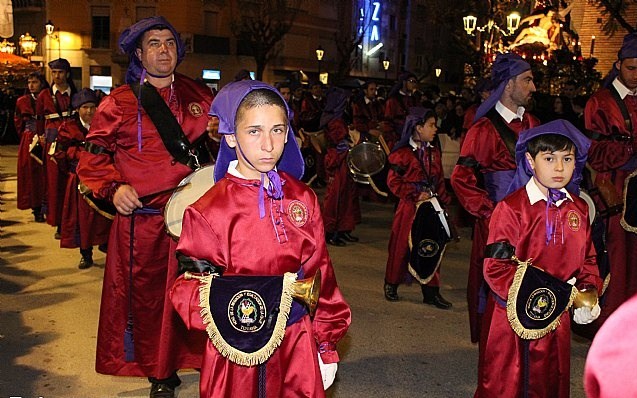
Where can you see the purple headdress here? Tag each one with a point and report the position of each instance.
(628, 50)
(506, 67)
(225, 106)
(524, 172)
(416, 116)
(335, 104)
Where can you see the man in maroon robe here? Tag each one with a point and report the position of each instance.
(127, 162)
(30, 172)
(613, 156)
(53, 107)
(485, 155)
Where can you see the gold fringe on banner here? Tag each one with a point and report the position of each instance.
(518, 328)
(226, 350)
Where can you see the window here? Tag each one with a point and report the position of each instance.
(101, 34)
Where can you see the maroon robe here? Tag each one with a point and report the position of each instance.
(396, 110)
(483, 144)
(30, 173)
(49, 120)
(614, 160)
(162, 343)
(224, 228)
(341, 208)
(406, 171)
(82, 226)
(516, 221)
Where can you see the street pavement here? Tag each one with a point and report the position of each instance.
(49, 313)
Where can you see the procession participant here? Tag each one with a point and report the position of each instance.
(53, 107)
(134, 161)
(611, 114)
(258, 219)
(309, 120)
(30, 172)
(487, 153)
(400, 99)
(526, 353)
(415, 175)
(341, 208)
(82, 226)
(483, 90)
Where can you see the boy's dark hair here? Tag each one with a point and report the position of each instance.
(550, 143)
(260, 97)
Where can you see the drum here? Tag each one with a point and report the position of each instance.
(428, 238)
(629, 214)
(364, 161)
(189, 190)
(317, 140)
(592, 212)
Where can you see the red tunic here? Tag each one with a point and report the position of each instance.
(396, 110)
(609, 158)
(82, 226)
(49, 120)
(483, 144)
(341, 208)
(161, 341)
(31, 187)
(522, 225)
(227, 219)
(406, 171)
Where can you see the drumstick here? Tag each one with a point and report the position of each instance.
(383, 143)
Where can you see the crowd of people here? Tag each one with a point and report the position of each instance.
(512, 164)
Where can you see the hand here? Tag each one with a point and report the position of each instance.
(423, 196)
(213, 129)
(586, 315)
(328, 372)
(126, 200)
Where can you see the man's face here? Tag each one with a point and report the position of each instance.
(59, 77)
(569, 91)
(628, 72)
(86, 112)
(34, 84)
(370, 91)
(317, 90)
(411, 84)
(285, 93)
(522, 88)
(159, 52)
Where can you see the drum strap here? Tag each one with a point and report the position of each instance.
(167, 126)
(622, 108)
(499, 250)
(96, 149)
(468, 162)
(506, 133)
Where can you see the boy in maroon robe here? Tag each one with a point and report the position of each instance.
(544, 221)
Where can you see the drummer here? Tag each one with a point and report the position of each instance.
(127, 160)
(415, 175)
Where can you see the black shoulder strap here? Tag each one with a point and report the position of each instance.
(507, 135)
(169, 130)
(622, 107)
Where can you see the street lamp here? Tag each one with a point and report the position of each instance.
(50, 28)
(27, 44)
(470, 22)
(7, 47)
(386, 66)
(319, 56)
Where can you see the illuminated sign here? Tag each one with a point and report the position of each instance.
(211, 74)
(369, 25)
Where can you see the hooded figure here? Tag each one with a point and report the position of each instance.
(416, 116)
(129, 42)
(225, 107)
(562, 127)
(627, 50)
(84, 96)
(506, 67)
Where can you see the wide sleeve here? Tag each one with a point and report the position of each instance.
(503, 227)
(589, 272)
(333, 315)
(397, 176)
(605, 154)
(184, 296)
(97, 170)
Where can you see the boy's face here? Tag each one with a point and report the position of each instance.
(427, 131)
(261, 132)
(86, 112)
(553, 169)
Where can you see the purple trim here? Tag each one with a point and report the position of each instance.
(497, 182)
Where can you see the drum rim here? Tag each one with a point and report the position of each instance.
(357, 173)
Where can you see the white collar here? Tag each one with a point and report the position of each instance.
(232, 170)
(55, 89)
(86, 125)
(367, 101)
(416, 145)
(622, 89)
(535, 195)
(507, 114)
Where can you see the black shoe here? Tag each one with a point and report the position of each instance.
(103, 248)
(57, 235)
(334, 240)
(85, 262)
(161, 390)
(391, 292)
(348, 237)
(438, 301)
(39, 217)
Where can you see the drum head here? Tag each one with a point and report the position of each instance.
(189, 190)
(366, 159)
